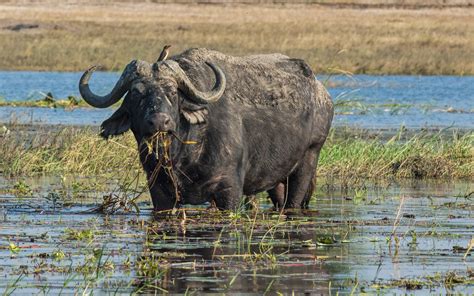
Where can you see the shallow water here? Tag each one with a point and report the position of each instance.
(341, 244)
(412, 101)
(364, 101)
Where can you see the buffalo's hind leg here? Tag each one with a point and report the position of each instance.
(309, 192)
(300, 182)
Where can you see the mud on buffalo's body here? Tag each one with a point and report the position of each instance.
(258, 121)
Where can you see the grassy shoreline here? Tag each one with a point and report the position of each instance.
(350, 158)
(70, 37)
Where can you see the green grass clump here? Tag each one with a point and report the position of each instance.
(350, 158)
(47, 102)
(50, 102)
(66, 151)
(421, 156)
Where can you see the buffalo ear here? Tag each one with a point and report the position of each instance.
(195, 116)
(193, 113)
(117, 124)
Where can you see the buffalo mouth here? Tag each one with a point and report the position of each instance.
(159, 144)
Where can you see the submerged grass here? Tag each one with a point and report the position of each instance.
(351, 158)
(176, 253)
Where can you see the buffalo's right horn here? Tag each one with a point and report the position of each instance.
(193, 93)
(120, 88)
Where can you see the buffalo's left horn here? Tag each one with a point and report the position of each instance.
(193, 93)
(120, 88)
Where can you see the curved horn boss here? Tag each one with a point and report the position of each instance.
(192, 92)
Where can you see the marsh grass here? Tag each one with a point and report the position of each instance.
(67, 150)
(70, 102)
(350, 158)
(47, 102)
(71, 37)
(422, 155)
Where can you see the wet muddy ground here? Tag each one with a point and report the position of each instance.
(412, 237)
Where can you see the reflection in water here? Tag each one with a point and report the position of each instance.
(216, 253)
(344, 243)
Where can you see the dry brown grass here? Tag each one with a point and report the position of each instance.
(72, 37)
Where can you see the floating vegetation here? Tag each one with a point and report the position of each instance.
(448, 281)
(47, 102)
(343, 106)
(83, 234)
(349, 104)
(20, 188)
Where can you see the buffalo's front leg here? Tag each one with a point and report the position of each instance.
(162, 194)
(226, 194)
(161, 200)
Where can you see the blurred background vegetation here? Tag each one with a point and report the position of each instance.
(359, 36)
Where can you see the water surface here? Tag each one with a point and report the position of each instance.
(346, 242)
(364, 101)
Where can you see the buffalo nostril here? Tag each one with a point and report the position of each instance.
(159, 122)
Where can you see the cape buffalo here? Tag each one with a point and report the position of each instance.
(212, 127)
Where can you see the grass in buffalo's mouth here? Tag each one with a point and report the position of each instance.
(350, 158)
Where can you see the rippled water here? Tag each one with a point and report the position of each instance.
(343, 244)
(347, 243)
(361, 100)
(412, 101)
